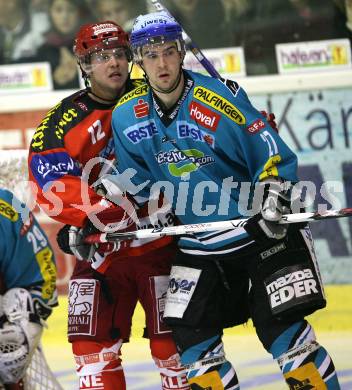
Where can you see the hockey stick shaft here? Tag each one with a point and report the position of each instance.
(208, 66)
(212, 226)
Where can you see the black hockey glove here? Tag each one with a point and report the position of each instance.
(71, 241)
(264, 225)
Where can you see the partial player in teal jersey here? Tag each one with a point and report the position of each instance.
(200, 141)
(28, 287)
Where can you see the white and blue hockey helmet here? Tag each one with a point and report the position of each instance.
(154, 29)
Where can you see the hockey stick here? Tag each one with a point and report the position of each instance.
(208, 66)
(211, 226)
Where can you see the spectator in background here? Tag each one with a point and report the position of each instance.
(234, 7)
(66, 17)
(316, 20)
(265, 23)
(235, 10)
(21, 32)
(122, 13)
(269, 22)
(40, 5)
(203, 20)
(348, 11)
(345, 8)
(119, 11)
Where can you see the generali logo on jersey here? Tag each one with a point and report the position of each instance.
(141, 109)
(204, 116)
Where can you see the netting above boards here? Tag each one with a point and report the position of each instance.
(14, 173)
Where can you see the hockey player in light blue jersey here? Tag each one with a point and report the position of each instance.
(201, 142)
(27, 287)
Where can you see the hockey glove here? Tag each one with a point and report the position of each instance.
(71, 239)
(264, 225)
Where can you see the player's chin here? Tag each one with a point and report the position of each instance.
(117, 82)
(165, 85)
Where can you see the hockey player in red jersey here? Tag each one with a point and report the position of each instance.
(103, 292)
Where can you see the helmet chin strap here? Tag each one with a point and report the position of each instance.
(102, 98)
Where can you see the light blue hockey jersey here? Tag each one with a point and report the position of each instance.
(205, 155)
(26, 257)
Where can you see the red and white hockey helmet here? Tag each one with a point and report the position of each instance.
(99, 36)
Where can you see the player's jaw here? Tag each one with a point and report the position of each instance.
(164, 79)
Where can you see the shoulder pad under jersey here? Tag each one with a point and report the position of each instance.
(6, 209)
(141, 90)
(58, 121)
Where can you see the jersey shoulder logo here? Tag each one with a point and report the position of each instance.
(219, 103)
(231, 85)
(55, 125)
(7, 211)
(137, 92)
(255, 126)
(43, 128)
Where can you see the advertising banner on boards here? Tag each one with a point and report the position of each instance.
(23, 78)
(314, 56)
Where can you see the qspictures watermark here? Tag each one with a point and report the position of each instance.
(229, 198)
